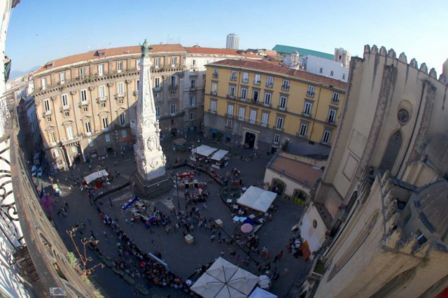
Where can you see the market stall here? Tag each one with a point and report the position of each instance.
(257, 199)
(224, 279)
(260, 293)
(220, 159)
(95, 176)
(202, 153)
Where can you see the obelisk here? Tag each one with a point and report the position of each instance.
(148, 152)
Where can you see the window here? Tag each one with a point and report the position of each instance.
(47, 107)
(276, 140)
(137, 64)
(123, 133)
(64, 98)
(122, 118)
(100, 70)
(62, 77)
(233, 76)
(107, 138)
(241, 113)
(331, 115)
(255, 97)
(229, 110)
(88, 127)
(105, 122)
(215, 73)
(69, 132)
(55, 153)
(157, 82)
(102, 92)
(232, 89)
(321, 70)
(193, 84)
(82, 72)
(269, 82)
(257, 79)
(253, 116)
(120, 88)
(331, 73)
(43, 83)
(52, 137)
(157, 111)
(83, 96)
(335, 97)
(213, 105)
(303, 129)
(307, 108)
(67, 113)
(119, 66)
(243, 93)
(173, 81)
(310, 91)
(229, 123)
(267, 98)
(192, 101)
(194, 62)
(326, 136)
(245, 77)
(279, 123)
(173, 109)
(265, 119)
(283, 100)
(343, 76)
(85, 108)
(157, 62)
(214, 88)
(191, 116)
(173, 61)
(285, 85)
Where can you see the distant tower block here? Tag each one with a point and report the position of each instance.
(342, 56)
(151, 177)
(233, 41)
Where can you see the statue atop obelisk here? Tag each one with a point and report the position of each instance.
(148, 152)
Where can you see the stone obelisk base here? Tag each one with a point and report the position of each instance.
(151, 189)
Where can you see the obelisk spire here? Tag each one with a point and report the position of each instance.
(148, 152)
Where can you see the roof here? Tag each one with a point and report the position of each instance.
(274, 67)
(301, 172)
(283, 49)
(104, 53)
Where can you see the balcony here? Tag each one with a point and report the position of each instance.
(83, 103)
(46, 113)
(172, 89)
(215, 75)
(101, 99)
(282, 108)
(285, 88)
(257, 82)
(331, 121)
(212, 111)
(229, 96)
(233, 78)
(214, 93)
(64, 108)
(267, 104)
(229, 116)
(310, 94)
(269, 85)
(245, 81)
(157, 89)
(120, 96)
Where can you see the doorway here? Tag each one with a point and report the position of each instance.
(249, 140)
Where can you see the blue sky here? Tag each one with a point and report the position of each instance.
(42, 30)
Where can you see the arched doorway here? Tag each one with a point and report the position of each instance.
(391, 152)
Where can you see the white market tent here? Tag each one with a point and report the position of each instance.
(257, 199)
(220, 154)
(260, 293)
(204, 150)
(96, 175)
(225, 280)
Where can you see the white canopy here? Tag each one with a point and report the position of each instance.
(260, 293)
(96, 175)
(220, 154)
(225, 280)
(204, 150)
(257, 199)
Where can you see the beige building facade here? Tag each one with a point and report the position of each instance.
(86, 103)
(384, 192)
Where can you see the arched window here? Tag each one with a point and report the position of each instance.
(391, 152)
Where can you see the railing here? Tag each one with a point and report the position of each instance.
(269, 85)
(214, 93)
(285, 87)
(233, 78)
(231, 96)
(310, 94)
(257, 82)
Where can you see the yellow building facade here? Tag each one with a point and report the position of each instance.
(259, 101)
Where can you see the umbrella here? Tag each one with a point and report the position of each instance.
(225, 280)
(246, 228)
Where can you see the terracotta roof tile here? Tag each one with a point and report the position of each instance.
(275, 67)
(301, 172)
(103, 53)
(219, 51)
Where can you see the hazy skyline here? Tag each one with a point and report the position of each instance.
(44, 30)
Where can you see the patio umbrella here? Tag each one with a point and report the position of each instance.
(225, 280)
(247, 228)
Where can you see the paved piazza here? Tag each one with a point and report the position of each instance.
(168, 241)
